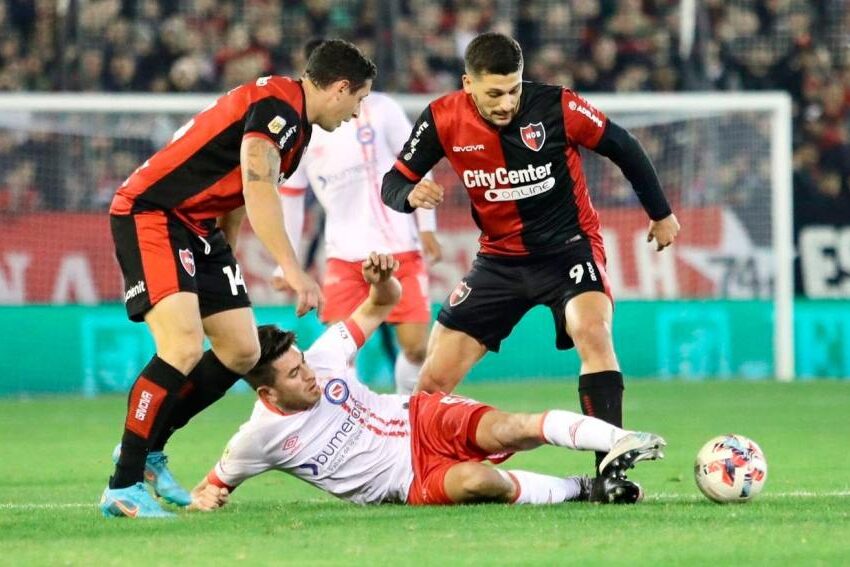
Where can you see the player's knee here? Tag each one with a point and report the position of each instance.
(482, 483)
(431, 382)
(183, 355)
(515, 431)
(241, 356)
(593, 336)
(415, 354)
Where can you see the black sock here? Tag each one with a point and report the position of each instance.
(207, 383)
(151, 400)
(601, 396)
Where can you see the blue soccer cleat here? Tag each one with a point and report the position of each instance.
(131, 502)
(160, 478)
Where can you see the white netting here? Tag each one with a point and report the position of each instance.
(715, 167)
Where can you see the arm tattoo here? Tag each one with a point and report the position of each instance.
(263, 162)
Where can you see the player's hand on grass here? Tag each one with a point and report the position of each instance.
(207, 497)
(663, 231)
(308, 291)
(378, 268)
(431, 247)
(426, 194)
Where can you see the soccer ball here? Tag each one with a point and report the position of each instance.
(730, 468)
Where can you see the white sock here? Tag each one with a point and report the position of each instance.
(568, 429)
(534, 488)
(406, 374)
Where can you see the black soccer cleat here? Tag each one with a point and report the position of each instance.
(610, 490)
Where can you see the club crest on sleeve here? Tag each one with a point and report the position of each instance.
(460, 293)
(533, 135)
(336, 391)
(276, 125)
(366, 134)
(188, 261)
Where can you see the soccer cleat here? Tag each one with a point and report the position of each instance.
(131, 502)
(632, 448)
(615, 490)
(609, 490)
(160, 478)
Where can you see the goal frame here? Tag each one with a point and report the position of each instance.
(777, 104)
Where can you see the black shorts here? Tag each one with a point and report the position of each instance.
(496, 293)
(160, 256)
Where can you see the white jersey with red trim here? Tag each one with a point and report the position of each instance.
(354, 443)
(345, 168)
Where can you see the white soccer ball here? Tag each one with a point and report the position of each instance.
(730, 468)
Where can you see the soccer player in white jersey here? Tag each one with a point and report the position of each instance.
(316, 421)
(344, 169)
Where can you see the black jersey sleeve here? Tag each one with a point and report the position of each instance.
(275, 119)
(618, 145)
(420, 153)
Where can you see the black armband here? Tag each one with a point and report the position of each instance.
(394, 191)
(618, 145)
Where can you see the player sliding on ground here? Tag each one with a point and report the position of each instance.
(315, 421)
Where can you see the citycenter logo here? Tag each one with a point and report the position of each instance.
(511, 184)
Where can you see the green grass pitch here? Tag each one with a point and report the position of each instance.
(55, 460)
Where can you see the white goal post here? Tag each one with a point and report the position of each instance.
(752, 128)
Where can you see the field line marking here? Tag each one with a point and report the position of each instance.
(768, 495)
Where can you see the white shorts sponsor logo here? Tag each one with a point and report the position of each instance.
(521, 192)
(134, 291)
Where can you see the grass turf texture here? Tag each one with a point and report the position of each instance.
(56, 457)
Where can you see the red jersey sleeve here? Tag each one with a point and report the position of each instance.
(583, 122)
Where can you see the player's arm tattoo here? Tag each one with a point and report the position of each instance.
(260, 160)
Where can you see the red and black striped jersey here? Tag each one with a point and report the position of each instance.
(197, 176)
(525, 180)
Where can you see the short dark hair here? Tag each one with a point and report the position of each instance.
(311, 46)
(335, 60)
(493, 53)
(274, 342)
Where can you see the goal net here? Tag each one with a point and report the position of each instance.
(724, 161)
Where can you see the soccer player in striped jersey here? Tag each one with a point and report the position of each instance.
(515, 146)
(181, 277)
(314, 420)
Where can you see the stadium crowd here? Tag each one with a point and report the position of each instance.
(798, 46)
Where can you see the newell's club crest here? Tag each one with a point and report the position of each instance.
(533, 135)
(460, 293)
(188, 261)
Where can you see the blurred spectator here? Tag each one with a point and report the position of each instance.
(17, 191)
(799, 46)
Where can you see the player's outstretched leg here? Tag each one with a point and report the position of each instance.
(159, 477)
(133, 501)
